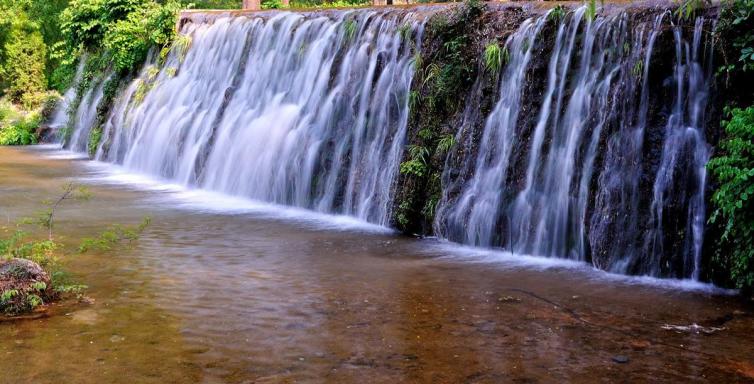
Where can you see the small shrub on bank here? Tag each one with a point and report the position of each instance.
(31, 273)
(21, 131)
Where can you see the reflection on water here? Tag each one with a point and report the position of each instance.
(238, 296)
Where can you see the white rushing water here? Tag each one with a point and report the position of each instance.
(682, 173)
(59, 119)
(284, 108)
(570, 198)
(603, 162)
(85, 116)
(475, 212)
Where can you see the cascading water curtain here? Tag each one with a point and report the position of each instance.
(295, 109)
(82, 120)
(579, 189)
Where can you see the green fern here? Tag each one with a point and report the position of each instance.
(493, 57)
(446, 143)
(349, 29)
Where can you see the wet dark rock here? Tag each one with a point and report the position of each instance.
(24, 286)
(46, 134)
(620, 359)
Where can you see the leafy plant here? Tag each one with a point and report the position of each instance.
(737, 23)
(149, 25)
(19, 244)
(638, 68)
(734, 198)
(417, 164)
(493, 57)
(430, 207)
(557, 13)
(71, 191)
(114, 235)
(349, 29)
(591, 10)
(405, 32)
(402, 215)
(21, 131)
(446, 143)
(688, 8)
(181, 45)
(95, 135)
(25, 68)
(272, 4)
(418, 153)
(6, 296)
(414, 97)
(329, 4)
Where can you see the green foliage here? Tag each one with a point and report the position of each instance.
(39, 286)
(17, 243)
(34, 300)
(95, 136)
(272, 4)
(46, 13)
(430, 207)
(688, 8)
(329, 4)
(127, 29)
(402, 213)
(129, 39)
(638, 68)
(26, 297)
(143, 87)
(446, 143)
(349, 29)
(114, 235)
(450, 69)
(181, 44)
(445, 71)
(495, 57)
(21, 131)
(414, 97)
(591, 10)
(557, 13)
(734, 198)
(6, 296)
(83, 25)
(405, 32)
(413, 167)
(22, 57)
(737, 21)
(417, 164)
(425, 134)
(214, 4)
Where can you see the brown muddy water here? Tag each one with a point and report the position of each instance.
(216, 294)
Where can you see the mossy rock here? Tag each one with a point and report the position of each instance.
(24, 287)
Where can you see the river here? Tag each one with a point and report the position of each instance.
(224, 290)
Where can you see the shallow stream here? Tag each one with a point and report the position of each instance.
(225, 290)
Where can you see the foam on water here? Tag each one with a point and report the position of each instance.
(179, 196)
(505, 259)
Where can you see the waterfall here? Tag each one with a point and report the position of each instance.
(578, 192)
(621, 178)
(85, 115)
(593, 150)
(472, 217)
(681, 175)
(285, 108)
(59, 118)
